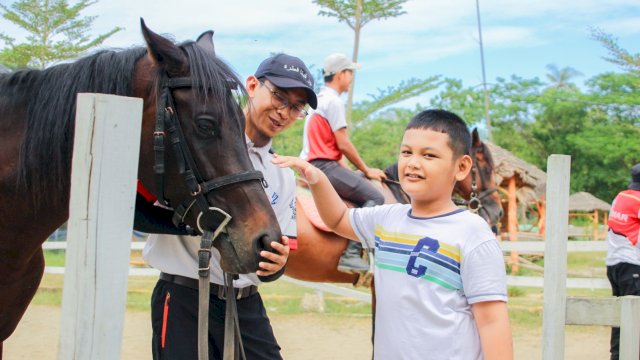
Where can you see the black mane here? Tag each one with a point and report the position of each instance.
(49, 97)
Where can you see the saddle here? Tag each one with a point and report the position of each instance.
(305, 199)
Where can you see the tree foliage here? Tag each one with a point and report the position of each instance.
(56, 31)
(560, 78)
(345, 10)
(393, 95)
(617, 54)
(356, 14)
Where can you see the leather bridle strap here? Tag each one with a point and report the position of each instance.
(232, 336)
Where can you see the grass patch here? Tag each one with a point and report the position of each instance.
(54, 257)
(281, 297)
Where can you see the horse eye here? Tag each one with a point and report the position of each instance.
(206, 126)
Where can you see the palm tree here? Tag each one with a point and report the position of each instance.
(560, 78)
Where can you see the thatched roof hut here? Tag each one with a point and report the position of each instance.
(584, 201)
(530, 180)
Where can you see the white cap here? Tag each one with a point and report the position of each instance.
(335, 63)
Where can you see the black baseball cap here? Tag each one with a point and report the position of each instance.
(286, 72)
(635, 177)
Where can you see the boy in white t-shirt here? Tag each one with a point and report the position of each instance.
(440, 279)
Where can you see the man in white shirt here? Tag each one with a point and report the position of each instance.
(277, 95)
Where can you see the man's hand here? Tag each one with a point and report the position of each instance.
(278, 260)
(375, 174)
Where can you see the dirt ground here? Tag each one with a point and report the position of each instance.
(302, 337)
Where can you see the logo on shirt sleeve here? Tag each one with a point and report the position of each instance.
(292, 206)
(274, 198)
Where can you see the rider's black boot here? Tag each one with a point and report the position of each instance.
(351, 260)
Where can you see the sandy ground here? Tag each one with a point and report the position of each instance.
(304, 337)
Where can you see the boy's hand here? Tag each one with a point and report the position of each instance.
(308, 171)
(278, 260)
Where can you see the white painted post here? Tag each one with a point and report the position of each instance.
(555, 262)
(630, 327)
(103, 181)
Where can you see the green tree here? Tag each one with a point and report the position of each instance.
(393, 95)
(617, 55)
(56, 31)
(356, 14)
(560, 78)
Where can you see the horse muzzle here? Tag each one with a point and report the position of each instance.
(239, 256)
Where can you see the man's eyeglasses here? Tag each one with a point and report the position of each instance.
(279, 101)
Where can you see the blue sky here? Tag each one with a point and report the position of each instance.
(435, 37)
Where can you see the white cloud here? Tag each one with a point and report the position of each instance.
(621, 27)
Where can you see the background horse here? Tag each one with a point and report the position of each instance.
(319, 251)
(187, 91)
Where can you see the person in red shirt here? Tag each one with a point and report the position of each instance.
(326, 140)
(623, 248)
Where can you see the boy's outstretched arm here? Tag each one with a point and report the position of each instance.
(492, 320)
(332, 210)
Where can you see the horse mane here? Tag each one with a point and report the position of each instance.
(45, 153)
(393, 185)
(486, 172)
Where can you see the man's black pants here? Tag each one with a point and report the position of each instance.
(625, 280)
(174, 319)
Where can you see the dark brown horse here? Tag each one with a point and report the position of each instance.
(192, 145)
(319, 251)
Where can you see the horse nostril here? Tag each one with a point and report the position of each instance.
(264, 243)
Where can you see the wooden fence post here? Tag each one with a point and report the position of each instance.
(103, 182)
(555, 262)
(630, 327)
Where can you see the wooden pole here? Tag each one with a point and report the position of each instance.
(555, 257)
(596, 232)
(101, 206)
(542, 210)
(512, 209)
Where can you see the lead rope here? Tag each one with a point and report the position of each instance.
(204, 261)
(233, 348)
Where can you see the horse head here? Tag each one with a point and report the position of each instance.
(479, 189)
(194, 144)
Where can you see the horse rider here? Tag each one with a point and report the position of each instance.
(326, 140)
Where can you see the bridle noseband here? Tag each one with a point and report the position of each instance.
(167, 118)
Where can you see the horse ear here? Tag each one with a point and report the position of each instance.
(205, 41)
(475, 138)
(164, 52)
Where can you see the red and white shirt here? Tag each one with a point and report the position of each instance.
(624, 229)
(319, 141)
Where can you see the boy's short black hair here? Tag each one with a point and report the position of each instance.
(445, 122)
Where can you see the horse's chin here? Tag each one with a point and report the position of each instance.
(235, 260)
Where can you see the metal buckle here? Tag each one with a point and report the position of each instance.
(208, 251)
(220, 228)
(198, 191)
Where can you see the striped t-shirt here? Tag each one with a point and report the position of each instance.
(428, 273)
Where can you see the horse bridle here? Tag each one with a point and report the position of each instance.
(167, 117)
(474, 204)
